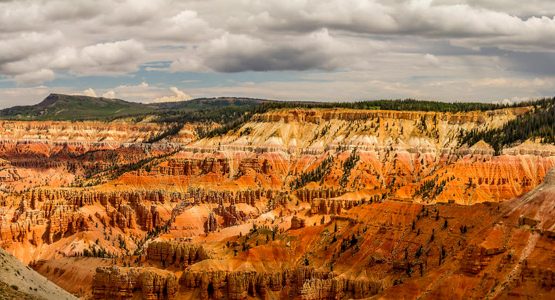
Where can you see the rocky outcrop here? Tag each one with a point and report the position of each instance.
(260, 166)
(190, 167)
(77, 133)
(317, 116)
(125, 218)
(475, 259)
(304, 282)
(46, 215)
(57, 219)
(175, 253)
(297, 223)
(367, 224)
(200, 195)
(339, 288)
(64, 221)
(231, 215)
(126, 283)
(550, 178)
(88, 196)
(148, 218)
(211, 224)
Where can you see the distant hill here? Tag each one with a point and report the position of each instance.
(537, 124)
(231, 112)
(220, 110)
(78, 108)
(205, 103)
(73, 107)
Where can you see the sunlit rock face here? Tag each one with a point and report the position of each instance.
(294, 203)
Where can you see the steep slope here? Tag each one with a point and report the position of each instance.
(23, 279)
(509, 258)
(12, 292)
(62, 107)
(70, 107)
(304, 203)
(537, 124)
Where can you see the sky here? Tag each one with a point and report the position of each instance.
(326, 50)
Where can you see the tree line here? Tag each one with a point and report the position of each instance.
(539, 123)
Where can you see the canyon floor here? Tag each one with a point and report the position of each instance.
(291, 203)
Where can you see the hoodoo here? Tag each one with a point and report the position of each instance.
(312, 202)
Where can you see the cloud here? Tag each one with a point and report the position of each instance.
(22, 95)
(432, 59)
(406, 46)
(185, 26)
(24, 56)
(142, 92)
(109, 94)
(178, 95)
(35, 77)
(89, 92)
(102, 58)
(352, 86)
(27, 44)
(239, 53)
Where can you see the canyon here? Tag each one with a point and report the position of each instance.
(299, 203)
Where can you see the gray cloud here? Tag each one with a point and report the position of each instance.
(395, 41)
(28, 44)
(237, 53)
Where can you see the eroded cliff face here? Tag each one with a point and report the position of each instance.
(178, 254)
(318, 130)
(126, 283)
(301, 282)
(70, 152)
(302, 204)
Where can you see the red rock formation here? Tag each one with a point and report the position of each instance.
(231, 215)
(305, 283)
(407, 218)
(188, 167)
(211, 224)
(297, 223)
(307, 195)
(173, 253)
(125, 283)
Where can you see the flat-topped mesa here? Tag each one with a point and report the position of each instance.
(85, 132)
(176, 253)
(125, 283)
(317, 115)
(318, 130)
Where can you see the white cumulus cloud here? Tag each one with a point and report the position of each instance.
(178, 95)
(89, 92)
